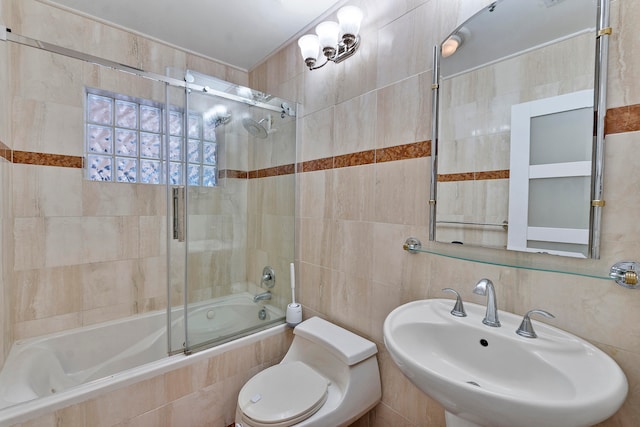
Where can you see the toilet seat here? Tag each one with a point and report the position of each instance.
(283, 395)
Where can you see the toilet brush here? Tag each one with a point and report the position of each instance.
(294, 310)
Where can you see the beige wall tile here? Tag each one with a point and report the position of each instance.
(352, 197)
(351, 248)
(108, 283)
(399, 196)
(155, 418)
(317, 135)
(108, 199)
(43, 191)
(29, 243)
(319, 88)
(622, 87)
(39, 294)
(354, 125)
(153, 236)
(399, 41)
(126, 403)
(404, 112)
(47, 325)
(383, 416)
(48, 420)
(358, 75)
(351, 301)
(317, 244)
(53, 126)
(315, 194)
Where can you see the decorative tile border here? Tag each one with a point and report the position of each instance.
(454, 177)
(46, 159)
(622, 119)
(316, 165)
(400, 152)
(618, 120)
(474, 176)
(231, 173)
(274, 171)
(355, 159)
(404, 152)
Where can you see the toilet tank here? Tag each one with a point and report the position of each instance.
(345, 345)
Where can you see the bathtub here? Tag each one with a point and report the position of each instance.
(49, 372)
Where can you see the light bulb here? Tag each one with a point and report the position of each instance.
(309, 48)
(450, 45)
(350, 18)
(328, 32)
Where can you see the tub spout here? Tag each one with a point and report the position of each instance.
(263, 296)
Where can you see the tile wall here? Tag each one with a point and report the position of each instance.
(76, 252)
(354, 215)
(352, 219)
(6, 223)
(83, 252)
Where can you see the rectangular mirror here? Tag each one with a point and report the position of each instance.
(517, 132)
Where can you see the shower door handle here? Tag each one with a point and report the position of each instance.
(178, 213)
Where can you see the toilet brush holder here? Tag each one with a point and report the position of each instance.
(294, 314)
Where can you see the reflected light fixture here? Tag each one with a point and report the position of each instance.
(217, 116)
(337, 40)
(453, 43)
(450, 45)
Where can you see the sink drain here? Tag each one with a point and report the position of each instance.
(473, 383)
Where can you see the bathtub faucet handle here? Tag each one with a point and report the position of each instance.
(268, 277)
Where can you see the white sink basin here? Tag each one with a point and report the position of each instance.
(496, 378)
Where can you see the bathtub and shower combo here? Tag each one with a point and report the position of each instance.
(226, 219)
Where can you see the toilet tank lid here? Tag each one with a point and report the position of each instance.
(345, 345)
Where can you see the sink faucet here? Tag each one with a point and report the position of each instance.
(263, 296)
(485, 287)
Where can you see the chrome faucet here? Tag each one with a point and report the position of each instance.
(485, 287)
(263, 296)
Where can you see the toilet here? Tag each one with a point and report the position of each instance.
(329, 377)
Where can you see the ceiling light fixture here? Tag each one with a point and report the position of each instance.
(338, 41)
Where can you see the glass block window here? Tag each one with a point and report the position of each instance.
(124, 143)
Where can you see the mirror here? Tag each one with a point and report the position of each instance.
(517, 163)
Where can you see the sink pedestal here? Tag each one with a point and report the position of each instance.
(455, 421)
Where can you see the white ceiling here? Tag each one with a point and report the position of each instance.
(238, 32)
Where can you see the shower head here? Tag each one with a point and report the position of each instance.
(255, 128)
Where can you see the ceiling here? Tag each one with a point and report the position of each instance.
(241, 33)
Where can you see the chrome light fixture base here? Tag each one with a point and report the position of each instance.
(336, 56)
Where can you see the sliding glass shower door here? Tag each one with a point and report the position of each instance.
(231, 153)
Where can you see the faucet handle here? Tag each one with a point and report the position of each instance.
(526, 328)
(458, 309)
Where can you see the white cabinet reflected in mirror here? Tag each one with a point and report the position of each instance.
(518, 129)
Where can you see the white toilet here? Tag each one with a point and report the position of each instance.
(329, 377)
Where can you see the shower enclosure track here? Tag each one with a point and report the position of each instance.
(7, 35)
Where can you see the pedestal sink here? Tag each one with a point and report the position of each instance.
(492, 377)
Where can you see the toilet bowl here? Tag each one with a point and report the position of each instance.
(329, 377)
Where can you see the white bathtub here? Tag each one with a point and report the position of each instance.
(46, 373)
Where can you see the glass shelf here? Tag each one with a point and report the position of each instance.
(597, 269)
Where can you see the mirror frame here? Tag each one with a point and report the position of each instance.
(603, 30)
